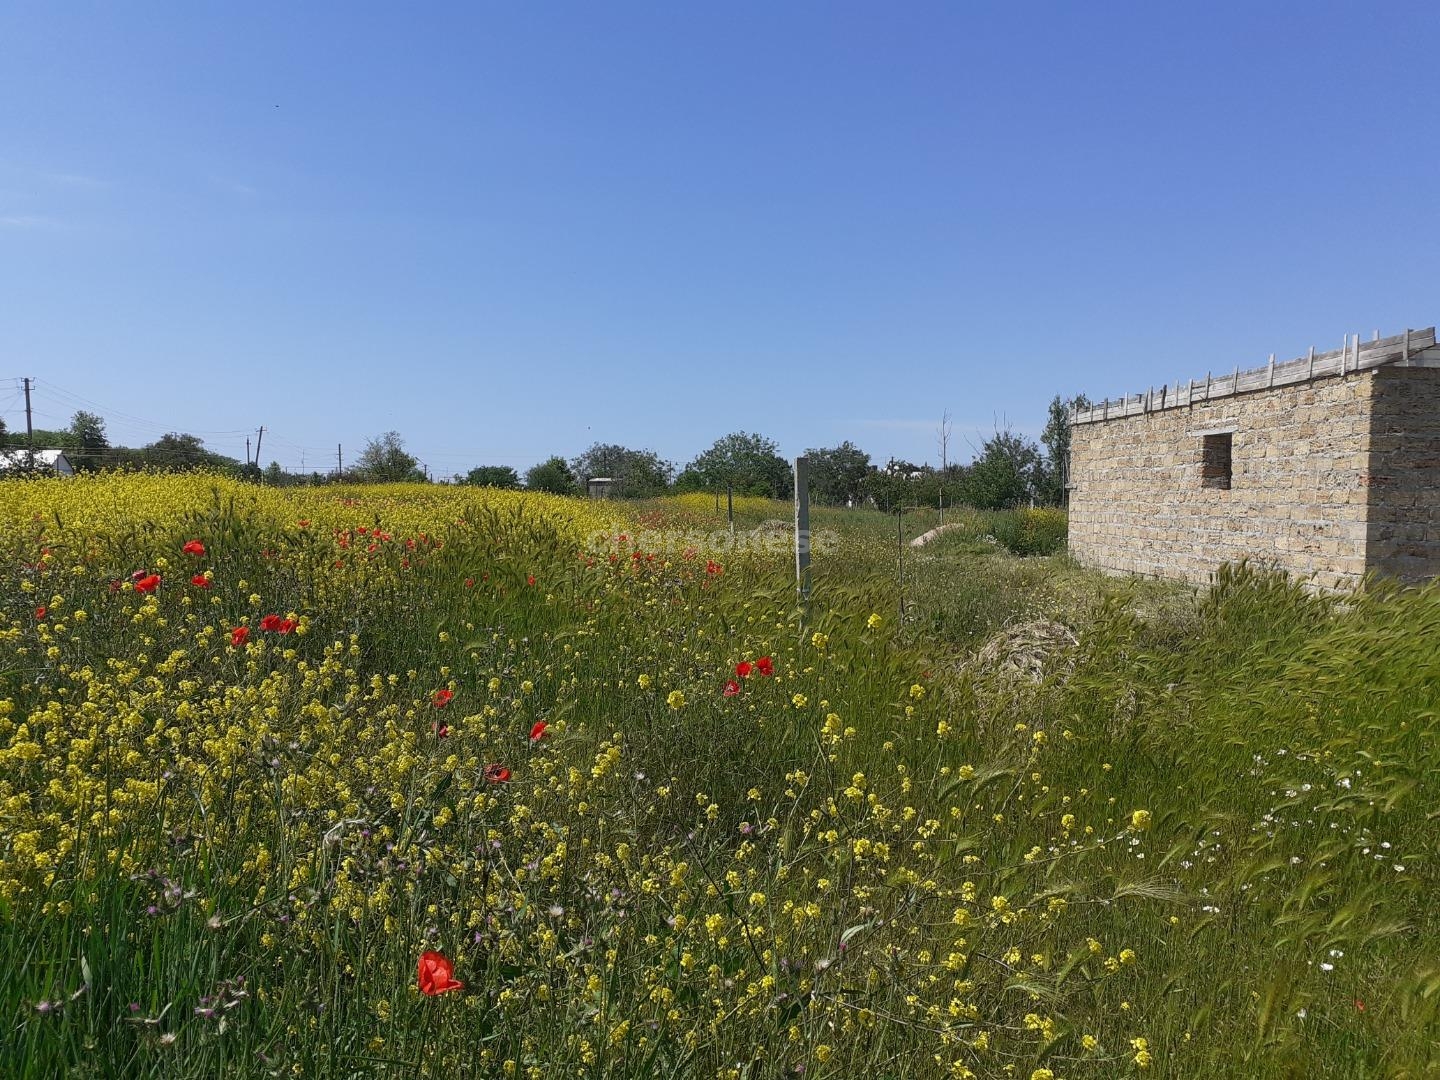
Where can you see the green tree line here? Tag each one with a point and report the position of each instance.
(1008, 470)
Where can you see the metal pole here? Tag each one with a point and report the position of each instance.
(900, 561)
(730, 507)
(802, 527)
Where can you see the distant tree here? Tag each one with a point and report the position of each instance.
(91, 447)
(1054, 471)
(495, 476)
(1004, 474)
(45, 439)
(638, 474)
(179, 452)
(689, 480)
(894, 486)
(837, 475)
(384, 461)
(552, 475)
(748, 462)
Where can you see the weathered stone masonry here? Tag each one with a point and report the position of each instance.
(1332, 463)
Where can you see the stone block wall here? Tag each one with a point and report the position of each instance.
(1299, 493)
(1403, 473)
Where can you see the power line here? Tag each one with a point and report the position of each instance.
(108, 412)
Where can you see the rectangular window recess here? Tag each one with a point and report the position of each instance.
(1215, 461)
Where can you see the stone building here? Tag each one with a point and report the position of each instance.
(1327, 466)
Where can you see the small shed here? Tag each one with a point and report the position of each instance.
(44, 461)
(600, 487)
(1327, 465)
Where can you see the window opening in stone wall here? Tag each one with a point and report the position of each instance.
(1215, 462)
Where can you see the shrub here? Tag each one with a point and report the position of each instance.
(1030, 532)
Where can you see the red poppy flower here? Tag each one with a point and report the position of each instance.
(496, 774)
(744, 668)
(530, 579)
(1359, 1005)
(713, 568)
(39, 613)
(436, 974)
(239, 636)
(271, 623)
(441, 698)
(538, 731)
(304, 523)
(441, 731)
(731, 687)
(193, 547)
(469, 582)
(200, 581)
(765, 666)
(147, 583)
(286, 626)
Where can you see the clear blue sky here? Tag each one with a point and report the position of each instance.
(511, 230)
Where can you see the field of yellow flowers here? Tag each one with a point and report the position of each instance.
(431, 781)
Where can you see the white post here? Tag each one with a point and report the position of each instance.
(802, 527)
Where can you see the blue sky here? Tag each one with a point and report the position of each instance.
(513, 230)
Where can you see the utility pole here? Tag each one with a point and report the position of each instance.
(247, 449)
(29, 426)
(339, 463)
(258, 438)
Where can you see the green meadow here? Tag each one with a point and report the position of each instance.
(971, 811)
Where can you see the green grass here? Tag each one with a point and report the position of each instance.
(736, 886)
